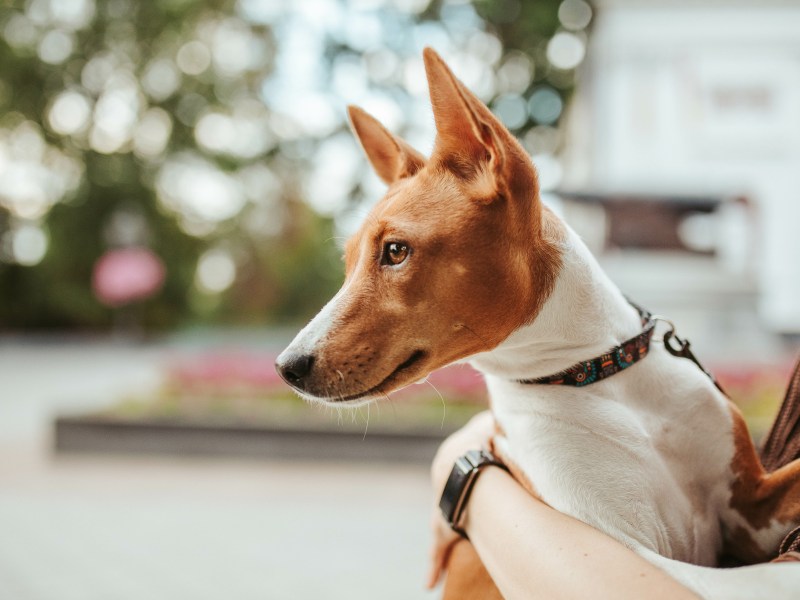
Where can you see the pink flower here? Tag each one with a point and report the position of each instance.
(126, 275)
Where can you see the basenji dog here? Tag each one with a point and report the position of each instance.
(461, 260)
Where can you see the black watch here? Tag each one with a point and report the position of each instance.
(459, 485)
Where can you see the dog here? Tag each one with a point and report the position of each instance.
(460, 260)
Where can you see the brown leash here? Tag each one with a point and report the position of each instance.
(781, 446)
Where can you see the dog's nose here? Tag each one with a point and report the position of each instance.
(294, 368)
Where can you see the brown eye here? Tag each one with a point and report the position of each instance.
(394, 253)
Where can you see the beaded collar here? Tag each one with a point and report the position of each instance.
(615, 360)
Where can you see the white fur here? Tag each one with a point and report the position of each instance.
(307, 338)
(305, 342)
(659, 431)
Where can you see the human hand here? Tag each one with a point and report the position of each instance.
(475, 435)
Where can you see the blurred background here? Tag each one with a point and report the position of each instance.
(176, 182)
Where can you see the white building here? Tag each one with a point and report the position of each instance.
(700, 97)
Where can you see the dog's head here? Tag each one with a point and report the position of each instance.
(450, 261)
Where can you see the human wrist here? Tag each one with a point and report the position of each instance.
(464, 474)
(484, 487)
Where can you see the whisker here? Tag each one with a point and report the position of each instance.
(387, 396)
(444, 407)
(390, 400)
(366, 427)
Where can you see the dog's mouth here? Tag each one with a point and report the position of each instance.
(386, 384)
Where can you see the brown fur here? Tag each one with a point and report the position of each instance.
(470, 215)
(486, 189)
(483, 258)
(391, 157)
(479, 265)
(760, 497)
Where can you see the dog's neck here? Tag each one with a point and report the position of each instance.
(584, 316)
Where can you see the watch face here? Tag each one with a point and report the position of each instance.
(468, 462)
(456, 490)
(480, 457)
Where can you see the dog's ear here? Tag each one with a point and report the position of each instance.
(469, 137)
(391, 157)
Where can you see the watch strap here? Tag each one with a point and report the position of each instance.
(460, 482)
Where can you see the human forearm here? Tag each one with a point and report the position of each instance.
(533, 551)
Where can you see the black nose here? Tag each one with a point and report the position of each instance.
(294, 368)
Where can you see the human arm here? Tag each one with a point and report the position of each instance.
(532, 550)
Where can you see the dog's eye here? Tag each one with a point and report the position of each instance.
(394, 253)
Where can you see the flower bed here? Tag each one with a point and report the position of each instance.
(757, 389)
(242, 387)
(236, 386)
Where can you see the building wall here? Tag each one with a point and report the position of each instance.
(701, 98)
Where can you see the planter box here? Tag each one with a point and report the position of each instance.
(114, 435)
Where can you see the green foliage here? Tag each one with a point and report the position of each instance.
(285, 269)
(57, 293)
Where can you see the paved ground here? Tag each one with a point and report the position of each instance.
(108, 528)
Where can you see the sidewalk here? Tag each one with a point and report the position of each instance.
(97, 527)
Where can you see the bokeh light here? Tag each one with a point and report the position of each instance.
(193, 58)
(516, 73)
(55, 47)
(575, 14)
(152, 133)
(545, 105)
(511, 109)
(216, 271)
(199, 192)
(33, 175)
(116, 114)
(161, 79)
(28, 244)
(69, 113)
(566, 50)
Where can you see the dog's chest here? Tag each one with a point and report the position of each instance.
(648, 464)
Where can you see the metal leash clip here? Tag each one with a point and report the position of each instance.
(668, 334)
(678, 346)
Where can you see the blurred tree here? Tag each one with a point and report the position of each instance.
(214, 135)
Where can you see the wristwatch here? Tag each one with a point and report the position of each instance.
(459, 485)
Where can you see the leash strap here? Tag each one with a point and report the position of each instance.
(782, 444)
(680, 348)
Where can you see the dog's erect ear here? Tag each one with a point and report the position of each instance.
(391, 157)
(467, 131)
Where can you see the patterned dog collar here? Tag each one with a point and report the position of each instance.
(615, 360)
